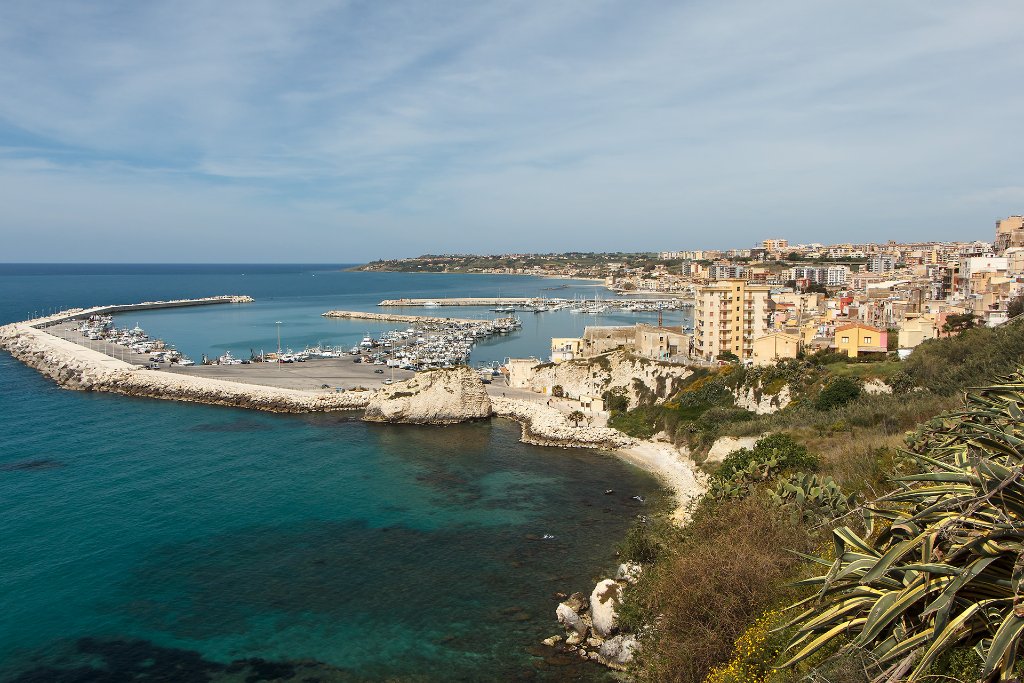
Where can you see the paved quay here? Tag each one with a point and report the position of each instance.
(312, 375)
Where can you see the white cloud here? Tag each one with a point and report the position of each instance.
(628, 125)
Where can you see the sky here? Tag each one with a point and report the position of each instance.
(322, 131)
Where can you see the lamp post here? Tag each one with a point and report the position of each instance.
(279, 364)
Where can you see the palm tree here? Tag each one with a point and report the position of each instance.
(576, 417)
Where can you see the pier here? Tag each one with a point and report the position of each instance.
(393, 317)
(75, 313)
(464, 301)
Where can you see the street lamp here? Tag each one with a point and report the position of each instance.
(278, 323)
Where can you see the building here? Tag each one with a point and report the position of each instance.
(1009, 233)
(728, 315)
(565, 348)
(856, 339)
(881, 263)
(774, 245)
(662, 343)
(830, 276)
(771, 347)
(919, 327)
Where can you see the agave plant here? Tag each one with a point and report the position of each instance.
(948, 570)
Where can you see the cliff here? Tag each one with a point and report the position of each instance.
(435, 397)
(546, 426)
(638, 376)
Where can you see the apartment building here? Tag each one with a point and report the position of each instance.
(728, 315)
(773, 245)
(881, 263)
(830, 276)
(1009, 233)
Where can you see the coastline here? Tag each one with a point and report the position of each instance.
(76, 367)
(544, 426)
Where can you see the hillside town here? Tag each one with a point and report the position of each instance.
(782, 300)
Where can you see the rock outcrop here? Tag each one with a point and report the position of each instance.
(546, 426)
(727, 444)
(755, 401)
(434, 397)
(876, 386)
(617, 369)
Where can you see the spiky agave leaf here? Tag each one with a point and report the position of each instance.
(949, 570)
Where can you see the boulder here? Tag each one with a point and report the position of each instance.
(604, 602)
(618, 650)
(434, 397)
(629, 572)
(570, 619)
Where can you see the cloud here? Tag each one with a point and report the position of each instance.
(519, 125)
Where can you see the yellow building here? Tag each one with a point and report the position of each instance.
(918, 327)
(1009, 233)
(771, 347)
(565, 348)
(728, 315)
(857, 338)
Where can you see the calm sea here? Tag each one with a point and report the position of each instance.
(157, 541)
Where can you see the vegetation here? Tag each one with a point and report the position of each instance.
(576, 417)
(946, 572)
(931, 567)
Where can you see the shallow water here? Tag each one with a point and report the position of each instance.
(152, 540)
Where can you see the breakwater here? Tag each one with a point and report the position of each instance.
(75, 367)
(392, 317)
(463, 301)
(73, 313)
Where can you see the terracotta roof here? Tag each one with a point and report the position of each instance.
(862, 326)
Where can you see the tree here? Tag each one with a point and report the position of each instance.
(557, 391)
(576, 417)
(728, 357)
(1015, 307)
(616, 399)
(957, 323)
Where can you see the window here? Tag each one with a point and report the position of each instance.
(846, 340)
(867, 340)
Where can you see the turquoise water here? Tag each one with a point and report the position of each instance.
(150, 540)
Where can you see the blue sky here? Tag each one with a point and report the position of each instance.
(345, 131)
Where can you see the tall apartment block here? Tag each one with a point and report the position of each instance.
(1009, 233)
(728, 316)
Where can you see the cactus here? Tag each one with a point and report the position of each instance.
(811, 498)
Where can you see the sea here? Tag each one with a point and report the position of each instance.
(146, 540)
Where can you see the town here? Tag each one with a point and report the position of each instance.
(782, 300)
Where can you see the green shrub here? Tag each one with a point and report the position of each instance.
(837, 392)
(787, 453)
(616, 399)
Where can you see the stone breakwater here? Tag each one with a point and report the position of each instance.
(463, 301)
(390, 317)
(75, 367)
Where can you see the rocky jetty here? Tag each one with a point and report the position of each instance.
(435, 397)
(546, 426)
(592, 623)
(75, 367)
